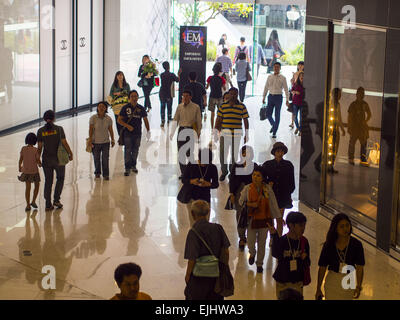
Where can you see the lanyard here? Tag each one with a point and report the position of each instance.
(290, 247)
(201, 172)
(342, 258)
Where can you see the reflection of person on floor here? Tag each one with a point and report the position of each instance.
(336, 125)
(30, 251)
(6, 74)
(307, 143)
(54, 248)
(359, 115)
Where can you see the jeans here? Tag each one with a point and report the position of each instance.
(166, 103)
(296, 110)
(48, 183)
(101, 150)
(228, 142)
(274, 102)
(132, 144)
(242, 89)
(146, 92)
(363, 149)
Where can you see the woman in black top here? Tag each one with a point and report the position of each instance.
(148, 82)
(341, 253)
(201, 177)
(240, 176)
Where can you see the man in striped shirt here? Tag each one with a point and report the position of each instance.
(229, 124)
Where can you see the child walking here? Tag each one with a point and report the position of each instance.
(28, 165)
(293, 254)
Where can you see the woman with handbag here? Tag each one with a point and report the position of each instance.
(119, 95)
(56, 153)
(100, 131)
(146, 81)
(199, 178)
(298, 101)
(262, 208)
(240, 176)
(242, 74)
(206, 247)
(341, 253)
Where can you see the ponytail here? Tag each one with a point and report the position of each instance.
(49, 117)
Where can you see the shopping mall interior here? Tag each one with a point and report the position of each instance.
(63, 55)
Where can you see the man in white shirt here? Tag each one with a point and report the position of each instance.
(274, 85)
(188, 117)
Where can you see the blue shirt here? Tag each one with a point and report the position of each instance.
(226, 63)
(241, 70)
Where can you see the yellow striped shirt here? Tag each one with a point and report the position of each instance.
(232, 115)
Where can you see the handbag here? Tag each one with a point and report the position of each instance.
(306, 266)
(229, 205)
(62, 154)
(374, 154)
(89, 147)
(263, 112)
(290, 108)
(156, 81)
(140, 84)
(185, 194)
(248, 75)
(224, 285)
(206, 266)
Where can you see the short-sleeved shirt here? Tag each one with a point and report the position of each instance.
(212, 233)
(354, 257)
(135, 114)
(241, 70)
(198, 91)
(51, 139)
(30, 158)
(101, 125)
(216, 84)
(167, 78)
(226, 63)
(232, 115)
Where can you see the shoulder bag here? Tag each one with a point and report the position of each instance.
(224, 285)
(248, 75)
(263, 112)
(121, 140)
(62, 154)
(306, 266)
(185, 194)
(206, 266)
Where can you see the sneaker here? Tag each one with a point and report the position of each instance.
(251, 260)
(296, 131)
(364, 164)
(351, 161)
(106, 178)
(291, 126)
(222, 177)
(134, 170)
(260, 269)
(274, 136)
(34, 205)
(126, 174)
(58, 204)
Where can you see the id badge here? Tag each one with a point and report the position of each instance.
(341, 266)
(293, 265)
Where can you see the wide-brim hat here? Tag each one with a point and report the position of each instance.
(277, 146)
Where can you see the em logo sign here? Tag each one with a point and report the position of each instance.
(193, 37)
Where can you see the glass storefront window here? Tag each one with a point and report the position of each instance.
(19, 61)
(354, 122)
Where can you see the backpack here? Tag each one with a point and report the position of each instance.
(242, 50)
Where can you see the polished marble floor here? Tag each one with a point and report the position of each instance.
(137, 218)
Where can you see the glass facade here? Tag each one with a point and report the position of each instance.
(19, 62)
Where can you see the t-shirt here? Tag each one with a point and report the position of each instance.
(330, 256)
(135, 114)
(284, 252)
(198, 91)
(216, 84)
(232, 115)
(212, 233)
(101, 125)
(30, 158)
(51, 139)
(167, 78)
(140, 296)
